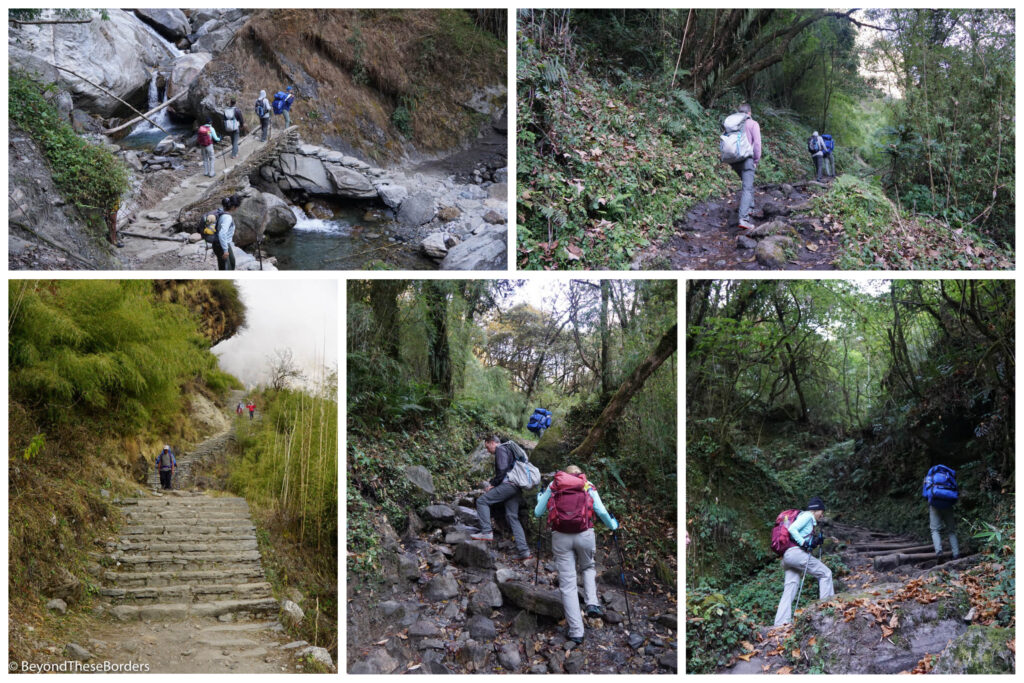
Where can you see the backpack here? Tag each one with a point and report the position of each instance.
(278, 104)
(541, 419)
(812, 145)
(734, 145)
(209, 225)
(940, 487)
(523, 474)
(230, 122)
(205, 139)
(570, 507)
(829, 144)
(168, 462)
(261, 108)
(781, 540)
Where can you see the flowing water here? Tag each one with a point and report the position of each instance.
(344, 242)
(145, 135)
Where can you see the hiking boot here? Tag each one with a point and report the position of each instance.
(746, 225)
(482, 537)
(594, 611)
(525, 557)
(576, 639)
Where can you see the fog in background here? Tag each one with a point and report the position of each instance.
(298, 314)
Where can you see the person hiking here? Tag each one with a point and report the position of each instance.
(797, 560)
(263, 110)
(238, 410)
(165, 466)
(740, 147)
(499, 490)
(816, 146)
(828, 162)
(286, 106)
(252, 409)
(941, 491)
(225, 233)
(234, 124)
(570, 502)
(206, 136)
(540, 420)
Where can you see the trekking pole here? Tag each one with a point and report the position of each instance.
(540, 534)
(800, 590)
(622, 576)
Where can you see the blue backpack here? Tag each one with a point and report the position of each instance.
(940, 487)
(278, 104)
(540, 420)
(829, 144)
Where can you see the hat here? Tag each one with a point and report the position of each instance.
(814, 134)
(816, 503)
(166, 447)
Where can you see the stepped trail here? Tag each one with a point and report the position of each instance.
(887, 617)
(708, 236)
(183, 586)
(461, 606)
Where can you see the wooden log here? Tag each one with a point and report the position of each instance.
(886, 562)
(153, 237)
(118, 129)
(896, 551)
(49, 21)
(861, 547)
(100, 87)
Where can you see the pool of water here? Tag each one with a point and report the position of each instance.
(344, 242)
(146, 138)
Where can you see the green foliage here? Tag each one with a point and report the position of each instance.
(89, 176)
(401, 118)
(714, 628)
(34, 446)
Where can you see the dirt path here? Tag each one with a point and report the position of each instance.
(786, 237)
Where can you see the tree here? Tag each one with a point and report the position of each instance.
(283, 369)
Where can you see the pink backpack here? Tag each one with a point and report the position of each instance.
(781, 540)
(570, 507)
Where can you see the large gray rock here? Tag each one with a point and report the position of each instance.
(216, 39)
(420, 477)
(77, 652)
(57, 605)
(305, 173)
(473, 656)
(417, 209)
(377, 662)
(350, 184)
(771, 251)
(441, 587)
(392, 195)
(486, 250)
(435, 245)
(184, 72)
(532, 598)
(259, 215)
(979, 650)
(437, 515)
(488, 594)
(467, 515)
(481, 628)
(170, 23)
(118, 54)
(291, 613)
(423, 629)
(474, 554)
(320, 655)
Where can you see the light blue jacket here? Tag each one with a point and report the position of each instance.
(609, 521)
(802, 527)
(225, 230)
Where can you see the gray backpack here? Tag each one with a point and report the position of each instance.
(523, 474)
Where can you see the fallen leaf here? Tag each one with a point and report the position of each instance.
(812, 246)
(796, 653)
(746, 657)
(785, 670)
(812, 641)
(747, 646)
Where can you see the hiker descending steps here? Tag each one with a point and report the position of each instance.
(165, 465)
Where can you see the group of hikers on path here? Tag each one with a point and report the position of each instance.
(570, 504)
(740, 147)
(167, 464)
(234, 125)
(249, 405)
(794, 538)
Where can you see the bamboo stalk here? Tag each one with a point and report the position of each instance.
(100, 87)
(118, 129)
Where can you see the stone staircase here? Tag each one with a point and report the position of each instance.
(186, 555)
(183, 479)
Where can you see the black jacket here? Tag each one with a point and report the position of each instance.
(503, 463)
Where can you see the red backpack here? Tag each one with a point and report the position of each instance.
(781, 540)
(204, 136)
(570, 507)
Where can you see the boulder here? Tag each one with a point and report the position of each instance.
(979, 650)
(417, 209)
(408, 567)
(377, 662)
(350, 184)
(437, 515)
(423, 629)
(262, 214)
(435, 245)
(669, 660)
(488, 594)
(474, 554)
(77, 652)
(467, 515)
(473, 656)
(419, 476)
(170, 23)
(532, 598)
(487, 250)
(184, 71)
(215, 39)
(441, 587)
(668, 620)
(291, 614)
(498, 191)
(509, 657)
(771, 251)
(481, 628)
(57, 605)
(320, 655)
(165, 146)
(770, 228)
(392, 195)
(525, 624)
(304, 173)
(744, 242)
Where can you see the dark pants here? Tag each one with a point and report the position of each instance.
(817, 167)
(234, 143)
(165, 478)
(224, 264)
(264, 129)
(251, 413)
(510, 495)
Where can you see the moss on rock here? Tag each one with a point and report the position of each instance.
(979, 650)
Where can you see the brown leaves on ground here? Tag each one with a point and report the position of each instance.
(925, 665)
(977, 583)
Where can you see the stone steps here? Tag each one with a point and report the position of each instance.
(172, 578)
(243, 526)
(186, 548)
(197, 562)
(186, 516)
(186, 593)
(188, 537)
(181, 611)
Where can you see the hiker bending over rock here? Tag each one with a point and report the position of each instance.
(165, 465)
(571, 501)
(500, 490)
(941, 491)
(797, 559)
(740, 147)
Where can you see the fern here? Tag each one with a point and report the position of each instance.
(692, 106)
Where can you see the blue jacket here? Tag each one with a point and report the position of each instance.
(609, 521)
(802, 527)
(163, 465)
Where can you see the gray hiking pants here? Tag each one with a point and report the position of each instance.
(208, 160)
(264, 128)
(793, 562)
(940, 520)
(510, 495)
(234, 144)
(830, 166)
(745, 170)
(568, 549)
(817, 166)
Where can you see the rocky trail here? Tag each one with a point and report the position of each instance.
(460, 606)
(786, 236)
(894, 612)
(182, 588)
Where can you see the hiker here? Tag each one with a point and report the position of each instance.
(798, 559)
(500, 490)
(941, 491)
(263, 114)
(238, 410)
(539, 421)
(207, 135)
(234, 123)
(827, 162)
(225, 233)
(283, 105)
(740, 147)
(252, 409)
(816, 146)
(570, 502)
(165, 465)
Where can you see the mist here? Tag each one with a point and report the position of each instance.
(301, 315)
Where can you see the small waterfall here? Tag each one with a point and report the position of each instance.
(162, 118)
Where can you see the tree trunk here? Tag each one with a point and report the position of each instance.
(606, 372)
(384, 303)
(440, 354)
(666, 347)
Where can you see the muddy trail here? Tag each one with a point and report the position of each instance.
(894, 612)
(462, 606)
(786, 235)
